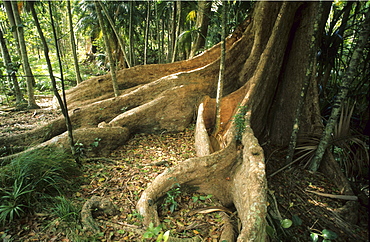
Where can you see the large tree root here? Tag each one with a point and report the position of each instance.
(235, 177)
(91, 142)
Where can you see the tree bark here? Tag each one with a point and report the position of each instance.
(11, 69)
(221, 77)
(204, 10)
(166, 97)
(349, 75)
(26, 66)
(108, 50)
(73, 44)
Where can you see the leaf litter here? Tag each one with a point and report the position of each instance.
(124, 175)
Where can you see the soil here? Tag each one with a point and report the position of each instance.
(123, 176)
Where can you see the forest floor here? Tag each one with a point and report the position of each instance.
(125, 174)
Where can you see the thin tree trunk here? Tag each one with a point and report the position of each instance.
(113, 26)
(108, 50)
(221, 75)
(73, 44)
(177, 32)
(146, 33)
(11, 70)
(9, 13)
(64, 102)
(172, 36)
(63, 105)
(204, 9)
(26, 66)
(130, 34)
(348, 77)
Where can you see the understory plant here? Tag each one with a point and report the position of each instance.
(348, 148)
(170, 200)
(27, 180)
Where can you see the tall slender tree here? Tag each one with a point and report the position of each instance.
(62, 103)
(131, 34)
(147, 23)
(11, 69)
(221, 75)
(113, 27)
(350, 74)
(108, 50)
(204, 9)
(177, 32)
(73, 44)
(30, 80)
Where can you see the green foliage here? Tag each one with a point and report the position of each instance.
(201, 198)
(13, 200)
(65, 210)
(170, 200)
(239, 121)
(81, 150)
(152, 231)
(327, 235)
(348, 148)
(286, 223)
(30, 178)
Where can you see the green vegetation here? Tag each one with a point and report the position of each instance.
(170, 200)
(239, 120)
(29, 181)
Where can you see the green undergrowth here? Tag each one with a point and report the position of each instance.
(31, 182)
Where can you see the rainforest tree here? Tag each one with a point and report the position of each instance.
(269, 58)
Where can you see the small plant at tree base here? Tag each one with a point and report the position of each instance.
(170, 200)
(200, 198)
(14, 200)
(157, 232)
(95, 143)
(81, 150)
(327, 235)
(65, 210)
(239, 121)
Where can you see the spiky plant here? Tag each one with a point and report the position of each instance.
(349, 149)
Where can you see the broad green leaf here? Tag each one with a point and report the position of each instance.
(327, 234)
(286, 223)
(270, 231)
(296, 220)
(160, 237)
(314, 237)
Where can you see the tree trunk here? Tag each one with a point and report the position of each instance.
(26, 66)
(263, 55)
(11, 69)
(204, 10)
(119, 39)
(147, 22)
(108, 50)
(177, 32)
(131, 34)
(62, 103)
(348, 77)
(221, 77)
(73, 44)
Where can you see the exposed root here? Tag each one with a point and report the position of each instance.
(99, 204)
(105, 140)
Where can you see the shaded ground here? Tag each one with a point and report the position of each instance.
(125, 174)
